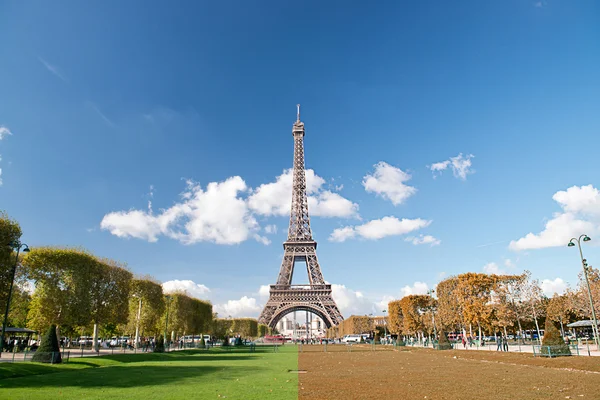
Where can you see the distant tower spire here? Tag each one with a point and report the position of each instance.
(298, 119)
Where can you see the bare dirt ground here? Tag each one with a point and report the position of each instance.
(413, 373)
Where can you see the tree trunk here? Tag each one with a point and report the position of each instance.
(520, 332)
(95, 339)
(479, 340)
(562, 328)
(537, 327)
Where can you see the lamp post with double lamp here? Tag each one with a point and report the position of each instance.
(430, 293)
(14, 246)
(167, 318)
(586, 238)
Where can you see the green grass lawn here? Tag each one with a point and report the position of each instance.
(189, 374)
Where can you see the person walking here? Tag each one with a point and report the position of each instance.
(504, 343)
(499, 343)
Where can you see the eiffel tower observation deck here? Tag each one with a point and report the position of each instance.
(300, 246)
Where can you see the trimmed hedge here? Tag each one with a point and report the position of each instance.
(553, 344)
(49, 351)
(443, 342)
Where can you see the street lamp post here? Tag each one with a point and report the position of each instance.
(167, 318)
(586, 238)
(384, 325)
(15, 246)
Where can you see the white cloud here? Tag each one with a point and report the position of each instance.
(508, 263)
(416, 288)
(261, 239)
(341, 234)
(388, 182)
(352, 302)
(439, 166)
(244, 307)
(264, 291)
(53, 69)
(4, 132)
(379, 228)
(423, 239)
(549, 287)
(216, 214)
(271, 229)
(275, 198)
(460, 165)
(383, 305)
(190, 287)
(493, 269)
(580, 214)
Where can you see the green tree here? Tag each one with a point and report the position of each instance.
(160, 345)
(245, 327)
(62, 287)
(49, 351)
(150, 293)
(109, 294)
(10, 232)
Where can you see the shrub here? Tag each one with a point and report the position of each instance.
(443, 342)
(160, 345)
(49, 351)
(553, 344)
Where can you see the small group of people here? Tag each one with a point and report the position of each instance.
(502, 343)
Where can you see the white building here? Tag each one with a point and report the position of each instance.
(295, 326)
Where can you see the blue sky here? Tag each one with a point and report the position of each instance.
(108, 106)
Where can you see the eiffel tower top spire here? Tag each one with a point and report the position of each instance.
(299, 229)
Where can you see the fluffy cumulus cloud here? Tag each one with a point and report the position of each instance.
(190, 287)
(217, 214)
(352, 302)
(275, 198)
(493, 269)
(244, 307)
(461, 166)
(416, 288)
(580, 214)
(549, 286)
(379, 228)
(264, 291)
(387, 181)
(423, 239)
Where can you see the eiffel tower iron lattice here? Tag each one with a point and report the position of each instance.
(316, 296)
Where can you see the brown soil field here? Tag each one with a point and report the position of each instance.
(413, 373)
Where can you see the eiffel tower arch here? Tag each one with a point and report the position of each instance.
(315, 296)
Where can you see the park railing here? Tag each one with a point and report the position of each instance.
(555, 351)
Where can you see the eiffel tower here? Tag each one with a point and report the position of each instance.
(300, 246)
